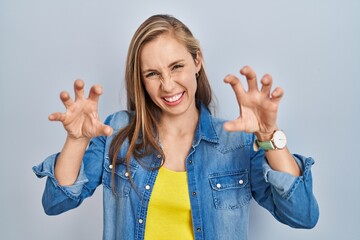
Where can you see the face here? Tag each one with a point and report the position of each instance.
(168, 73)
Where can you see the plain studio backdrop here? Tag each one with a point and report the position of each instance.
(311, 48)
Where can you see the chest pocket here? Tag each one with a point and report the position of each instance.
(121, 180)
(230, 189)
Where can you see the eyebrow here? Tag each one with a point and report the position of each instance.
(171, 64)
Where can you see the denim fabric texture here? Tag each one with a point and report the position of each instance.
(224, 173)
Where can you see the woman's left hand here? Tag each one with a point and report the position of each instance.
(258, 108)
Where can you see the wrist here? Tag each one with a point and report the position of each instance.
(77, 141)
(277, 140)
(265, 136)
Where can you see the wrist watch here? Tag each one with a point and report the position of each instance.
(277, 141)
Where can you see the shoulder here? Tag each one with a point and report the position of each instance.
(118, 119)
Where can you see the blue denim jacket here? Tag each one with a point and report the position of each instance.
(224, 173)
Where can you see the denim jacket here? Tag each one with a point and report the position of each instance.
(223, 172)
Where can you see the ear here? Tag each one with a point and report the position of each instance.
(198, 61)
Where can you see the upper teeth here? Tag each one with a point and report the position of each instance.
(174, 98)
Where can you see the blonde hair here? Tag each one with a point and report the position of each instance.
(146, 114)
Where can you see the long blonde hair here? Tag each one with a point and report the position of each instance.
(141, 131)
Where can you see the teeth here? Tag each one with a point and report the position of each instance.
(174, 98)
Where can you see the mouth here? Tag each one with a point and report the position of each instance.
(174, 99)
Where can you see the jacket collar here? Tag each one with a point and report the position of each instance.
(205, 129)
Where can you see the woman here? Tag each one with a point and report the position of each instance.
(170, 170)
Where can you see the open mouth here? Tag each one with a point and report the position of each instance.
(174, 99)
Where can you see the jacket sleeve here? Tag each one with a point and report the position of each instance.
(58, 199)
(289, 199)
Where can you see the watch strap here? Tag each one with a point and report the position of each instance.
(265, 145)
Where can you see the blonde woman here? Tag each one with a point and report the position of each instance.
(169, 169)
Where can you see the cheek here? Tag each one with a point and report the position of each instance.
(192, 82)
(189, 79)
(150, 90)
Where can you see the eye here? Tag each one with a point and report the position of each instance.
(151, 74)
(177, 66)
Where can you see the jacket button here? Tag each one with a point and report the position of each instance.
(218, 185)
(126, 174)
(198, 229)
(241, 181)
(194, 193)
(190, 161)
(110, 166)
(147, 187)
(158, 156)
(140, 220)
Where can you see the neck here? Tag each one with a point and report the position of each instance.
(179, 126)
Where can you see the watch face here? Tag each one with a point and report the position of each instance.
(279, 139)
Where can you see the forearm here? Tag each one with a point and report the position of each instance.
(295, 206)
(68, 163)
(67, 191)
(290, 199)
(282, 160)
(279, 159)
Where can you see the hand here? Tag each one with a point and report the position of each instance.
(81, 120)
(258, 108)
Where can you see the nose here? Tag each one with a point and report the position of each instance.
(167, 83)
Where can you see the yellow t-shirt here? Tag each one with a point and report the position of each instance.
(169, 212)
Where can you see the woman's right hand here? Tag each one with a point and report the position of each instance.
(81, 119)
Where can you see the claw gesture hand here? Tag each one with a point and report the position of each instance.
(81, 120)
(258, 108)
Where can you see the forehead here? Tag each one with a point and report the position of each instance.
(162, 50)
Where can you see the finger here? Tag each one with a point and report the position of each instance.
(95, 92)
(250, 77)
(57, 116)
(234, 125)
(277, 95)
(65, 98)
(105, 130)
(266, 82)
(236, 85)
(79, 89)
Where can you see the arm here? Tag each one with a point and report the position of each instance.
(288, 198)
(258, 115)
(74, 174)
(281, 182)
(81, 123)
(58, 198)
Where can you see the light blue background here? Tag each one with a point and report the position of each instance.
(311, 48)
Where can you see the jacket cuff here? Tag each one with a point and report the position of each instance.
(46, 169)
(285, 183)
